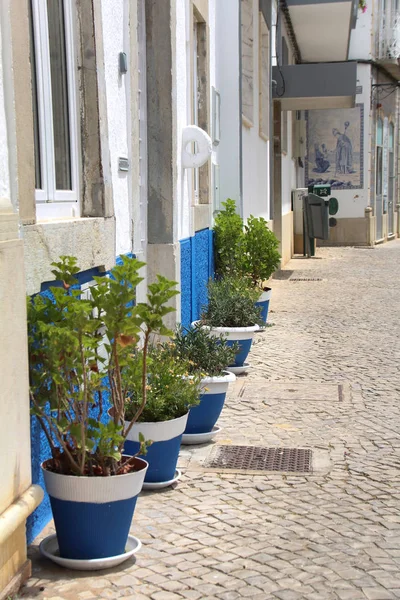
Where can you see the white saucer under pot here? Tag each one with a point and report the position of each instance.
(193, 439)
(240, 370)
(159, 485)
(49, 548)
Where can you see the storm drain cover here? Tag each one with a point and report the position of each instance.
(255, 458)
(305, 279)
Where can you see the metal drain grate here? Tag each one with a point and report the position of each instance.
(305, 279)
(254, 458)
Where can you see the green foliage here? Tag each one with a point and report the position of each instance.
(249, 250)
(228, 240)
(207, 354)
(261, 257)
(170, 389)
(73, 344)
(231, 303)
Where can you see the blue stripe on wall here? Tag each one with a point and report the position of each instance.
(197, 266)
(186, 282)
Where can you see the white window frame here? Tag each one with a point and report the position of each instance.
(50, 202)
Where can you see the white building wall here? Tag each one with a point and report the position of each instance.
(255, 167)
(227, 80)
(361, 37)
(288, 169)
(288, 164)
(115, 17)
(182, 84)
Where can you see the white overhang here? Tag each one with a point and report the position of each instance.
(322, 28)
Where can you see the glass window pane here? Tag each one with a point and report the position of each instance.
(36, 136)
(59, 90)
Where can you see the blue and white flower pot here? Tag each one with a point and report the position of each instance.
(162, 455)
(92, 515)
(242, 335)
(264, 304)
(204, 416)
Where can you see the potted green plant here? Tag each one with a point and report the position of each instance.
(246, 249)
(171, 391)
(232, 311)
(209, 356)
(260, 258)
(76, 346)
(228, 240)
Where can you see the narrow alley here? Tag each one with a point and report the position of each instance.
(325, 377)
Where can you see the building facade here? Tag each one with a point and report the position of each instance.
(127, 123)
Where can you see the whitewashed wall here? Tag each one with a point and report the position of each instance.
(255, 150)
(182, 84)
(361, 38)
(115, 17)
(289, 179)
(227, 79)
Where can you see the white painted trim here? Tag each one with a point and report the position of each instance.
(48, 194)
(96, 490)
(158, 432)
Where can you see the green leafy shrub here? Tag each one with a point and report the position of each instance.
(231, 303)
(249, 250)
(170, 390)
(261, 257)
(228, 240)
(73, 344)
(210, 355)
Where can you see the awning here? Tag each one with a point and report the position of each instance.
(313, 86)
(322, 28)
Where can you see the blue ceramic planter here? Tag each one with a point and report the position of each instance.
(264, 304)
(162, 455)
(204, 416)
(92, 515)
(242, 335)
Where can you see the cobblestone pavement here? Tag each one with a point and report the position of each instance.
(325, 377)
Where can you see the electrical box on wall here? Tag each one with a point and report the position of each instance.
(299, 142)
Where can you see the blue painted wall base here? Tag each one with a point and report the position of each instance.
(197, 266)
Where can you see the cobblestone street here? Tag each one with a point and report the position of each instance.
(325, 377)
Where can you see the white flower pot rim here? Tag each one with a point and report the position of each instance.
(228, 378)
(265, 295)
(158, 431)
(248, 329)
(94, 489)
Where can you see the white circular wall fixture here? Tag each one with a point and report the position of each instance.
(193, 136)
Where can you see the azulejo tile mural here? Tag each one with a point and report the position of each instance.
(335, 141)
